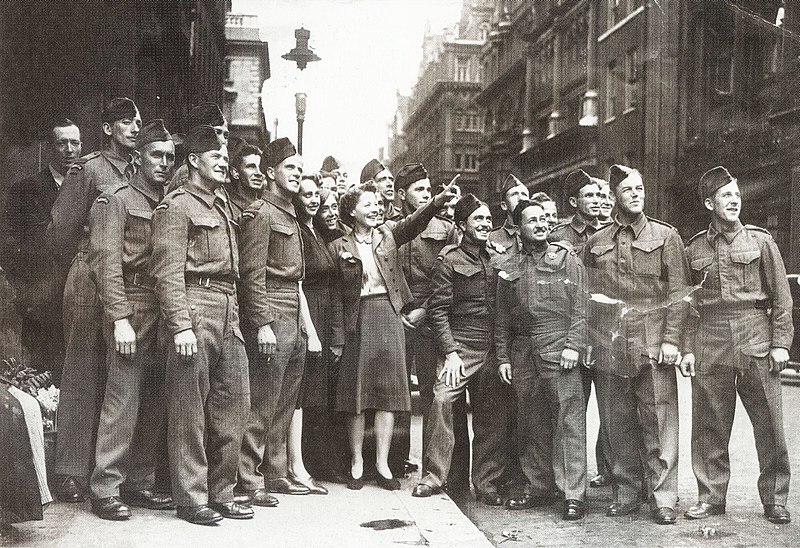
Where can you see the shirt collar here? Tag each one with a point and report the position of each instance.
(511, 229)
(206, 196)
(57, 177)
(280, 202)
(637, 226)
(142, 186)
(578, 224)
(120, 164)
(473, 249)
(729, 236)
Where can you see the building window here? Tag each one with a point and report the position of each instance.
(461, 120)
(612, 97)
(466, 161)
(631, 78)
(462, 69)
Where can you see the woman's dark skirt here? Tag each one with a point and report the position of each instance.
(314, 386)
(372, 374)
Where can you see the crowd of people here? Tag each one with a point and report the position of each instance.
(225, 324)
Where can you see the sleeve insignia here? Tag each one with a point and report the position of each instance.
(162, 205)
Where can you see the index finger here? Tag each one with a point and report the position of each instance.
(452, 181)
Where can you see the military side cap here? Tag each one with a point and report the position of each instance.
(510, 182)
(151, 132)
(330, 163)
(370, 170)
(119, 108)
(235, 146)
(465, 207)
(712, 180)
(410, 174)
(277, 151)
(202, 139)
(575, 181)
(205, 114)
(618, 173)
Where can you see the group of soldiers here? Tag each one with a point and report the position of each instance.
(152, 249)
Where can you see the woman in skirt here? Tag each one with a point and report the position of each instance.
(367, 332)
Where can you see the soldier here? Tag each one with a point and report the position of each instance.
(133, 414)
(638, 268)
(741, 346)
(583, 194)
(202, 114)
(461, 315)
(277, 324)
(83, 377)
(195, 265)
(606, 203)
(506, 235)
(550, 209)
(37, 279)
(379, 174)
(418, 258)
(246, 179)
(333, 166)
(540, 335)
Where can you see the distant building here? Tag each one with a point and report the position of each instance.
(440, 123)
(246, 68)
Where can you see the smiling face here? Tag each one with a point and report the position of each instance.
(249, 171)
(157, 160)
(477, 226)
(606, 202)
(587, 202)
(287, 175)
(726, 203)
(533, 225)
(212, 165)
(308, 198)
(629, 195)
(367, 212)
(329, 212)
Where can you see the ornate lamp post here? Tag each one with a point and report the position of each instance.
(302, 55)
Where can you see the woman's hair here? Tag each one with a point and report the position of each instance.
(298, 207)
(348, 201)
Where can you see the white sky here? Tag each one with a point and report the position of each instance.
(369, 49)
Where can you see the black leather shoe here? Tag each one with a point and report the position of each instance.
(286, 486)
(232, 510)
(257, 497)
(703, 510)
(199, 515)
(616, 509)
(526, 501)
(355, 483)
(573, 510)
(423, 490)
(111, 508)
(390, 484)
(491, 499)
(314, 488)
(147, 499)
(777, 513)
(600, 480)
(69, 490)
(664, 515)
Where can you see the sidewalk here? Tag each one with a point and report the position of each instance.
(339, 519)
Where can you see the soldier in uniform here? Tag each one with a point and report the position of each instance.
(246, 180)
(37, 279)
(417, 258)
(195, 265)
(133, 415)
(638, 267)
(540, 335)
(550, 208)
(380, 175)
(461, 315)
(83, 378)
(505, 236)
(334, 167)
(277, 324)
(202, 114)
(740, 347)
(606, 203)
(583, 194)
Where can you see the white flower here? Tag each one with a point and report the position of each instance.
(48, 398)
(347, 256)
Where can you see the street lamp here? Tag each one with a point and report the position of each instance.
(300, 108)
(302, 55)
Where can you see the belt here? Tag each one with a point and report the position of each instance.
(139, 279)
(210, 282)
